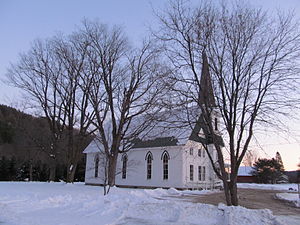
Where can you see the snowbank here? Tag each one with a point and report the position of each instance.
(290, 197)
(77, 204)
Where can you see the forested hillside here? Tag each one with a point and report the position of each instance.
(25, 149)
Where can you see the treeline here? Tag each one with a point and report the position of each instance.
(13, 169)
(25, 149)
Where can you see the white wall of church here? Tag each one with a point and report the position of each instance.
(192, 157)
(90, 169)
(178, 167)
(137, 168)
(136, 172)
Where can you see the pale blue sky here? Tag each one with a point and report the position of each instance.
(22, 21)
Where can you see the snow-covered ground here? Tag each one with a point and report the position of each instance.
(279, 187)
(76, 204)
(290, 197)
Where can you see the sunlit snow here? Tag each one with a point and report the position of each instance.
(34, 203)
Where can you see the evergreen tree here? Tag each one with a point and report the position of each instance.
(23, 172)
(4, 169)
(6, 132)
(44, 173)
(279, 159)
(12, 171)
(268, 170)
(80, 171)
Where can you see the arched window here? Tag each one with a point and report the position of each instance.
(124, 166)
(191, 151)
(191, 172)
(199, 152)
(96, 165)
(165, 158)
(149, 159)
(201, 173)
(216, 124)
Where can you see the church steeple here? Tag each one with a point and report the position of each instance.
(201, 132)
(206, 89)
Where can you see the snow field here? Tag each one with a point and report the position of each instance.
(279, 187)
(36, 203)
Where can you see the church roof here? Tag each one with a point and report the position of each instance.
(92, 147)
(245, 171)
(206, 89)
(170, 128)
(177, 126)
(157, 142)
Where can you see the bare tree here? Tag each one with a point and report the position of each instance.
(52, 73)
(73, 89)
(92, 77)
(37, 74)
(126, 89)
(252, 58)
(250, 157)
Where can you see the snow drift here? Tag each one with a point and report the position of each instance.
(77, 204)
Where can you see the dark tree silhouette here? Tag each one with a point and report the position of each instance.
(268, 171)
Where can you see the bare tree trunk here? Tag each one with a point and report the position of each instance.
(233, 193)
(70, 152)
(30, 171)
(71, 169)
(71, 173)
(52, 170)
(227, 192)
(112, 167)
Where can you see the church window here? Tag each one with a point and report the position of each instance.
(191, 151)
(203, 173)
(199, 152)
(191, 172)
(216, 124)
(165, 158)
(96, 166)
(149, 159)
(203, 154)
(124, 166)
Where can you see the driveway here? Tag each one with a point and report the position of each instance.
(252, 199)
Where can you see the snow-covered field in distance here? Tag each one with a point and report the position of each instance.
(279, 187)
(37, 203)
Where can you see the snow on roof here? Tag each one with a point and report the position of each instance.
(92, 147)
(245, 171)
(168, 128)
(169, 125)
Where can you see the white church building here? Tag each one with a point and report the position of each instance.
(170, 157)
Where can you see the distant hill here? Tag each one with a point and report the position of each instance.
(25, 141)
(22, 135)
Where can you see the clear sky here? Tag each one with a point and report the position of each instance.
(22, 21)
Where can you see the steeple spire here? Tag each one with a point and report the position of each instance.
(206, 90)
